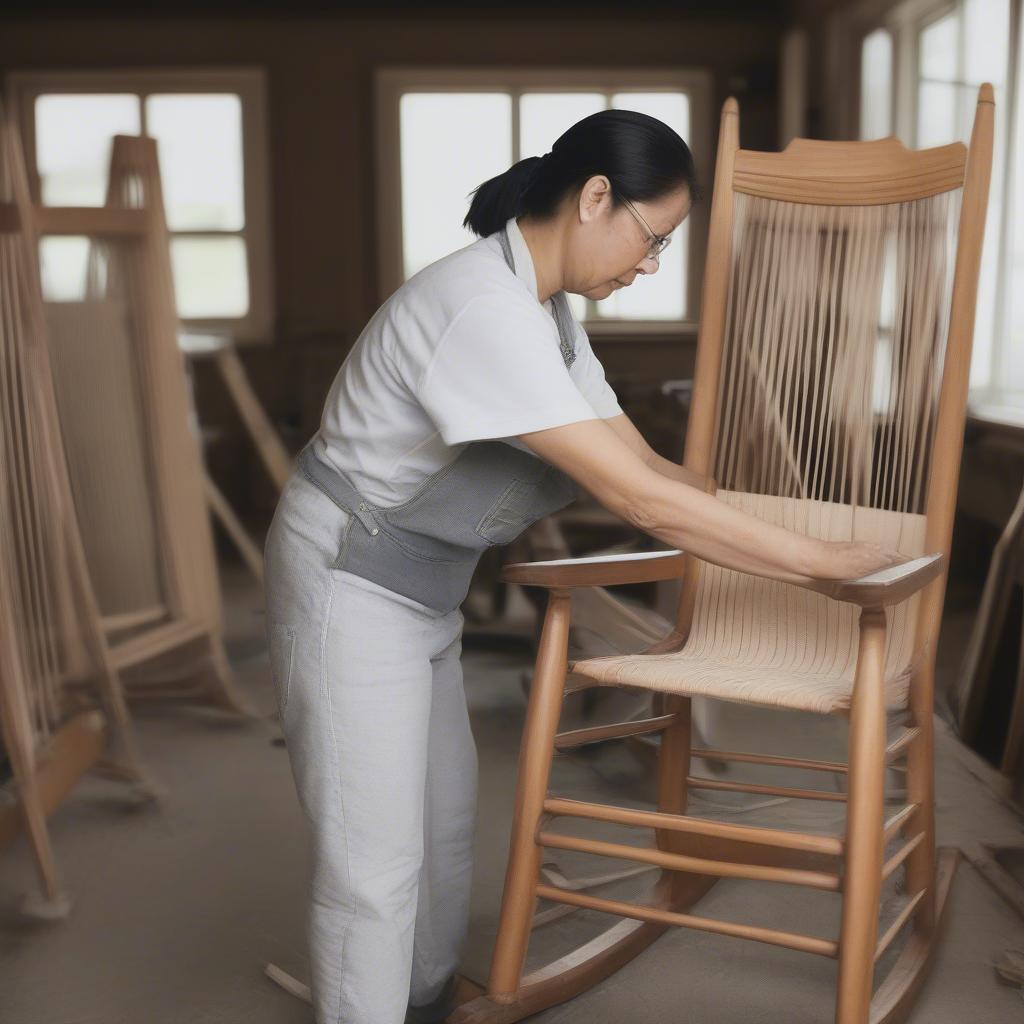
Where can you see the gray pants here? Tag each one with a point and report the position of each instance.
(369, 687)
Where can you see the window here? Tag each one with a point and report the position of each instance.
(443, 133)
(919, 76)
(876, 85)
(209, 127)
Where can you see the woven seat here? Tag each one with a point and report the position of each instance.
(758, 641)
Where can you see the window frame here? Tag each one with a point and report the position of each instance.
(249, 84)
(391, 82)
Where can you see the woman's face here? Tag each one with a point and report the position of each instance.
(610, 246)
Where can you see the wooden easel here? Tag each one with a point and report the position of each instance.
(145, 528)
(61, 701)
(273, 454)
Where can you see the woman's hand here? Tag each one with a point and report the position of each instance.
(850, 560)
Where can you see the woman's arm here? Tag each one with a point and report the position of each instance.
(626, 429)
(685, 517)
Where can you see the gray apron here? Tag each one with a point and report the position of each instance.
(427, 547)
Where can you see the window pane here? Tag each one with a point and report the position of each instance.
(662, 295)
(876, 85)
(671, 107)
(938, 49)
(986, 39)
(543, 117)
(210, 277)
(73, 138)
(200, 145)
(450, 144)
(1012, 362)
(936, 114)
(63, 263)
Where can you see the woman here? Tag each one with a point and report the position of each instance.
(469, 406)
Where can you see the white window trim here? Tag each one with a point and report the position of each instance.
(249, 83)
(391, 82)
(905, 20)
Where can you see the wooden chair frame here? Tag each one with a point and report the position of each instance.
(192, 610)
(94, 730)
(694, 853)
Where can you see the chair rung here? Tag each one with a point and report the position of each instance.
(615, 730)
(901, 855)
(898, 820)
(696, 865)
(898, 745)
(893, 930)
(831, 846)
(769, 759)
(791, 940)
(695, 782)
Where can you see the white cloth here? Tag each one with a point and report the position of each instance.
(463, 351)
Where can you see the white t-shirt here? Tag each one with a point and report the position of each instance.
(463, 351)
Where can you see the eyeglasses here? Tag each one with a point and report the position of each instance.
(658, 242)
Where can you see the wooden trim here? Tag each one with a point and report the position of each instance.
(885, 587)
(694, 865)
(768, 759)
(100, 221)
(802, 943)
(850, 173)
(609, 571)
(616, 730)
(893, 930)
(897, 821)
(74, 748)
(830, 846)
(862, 880)
(901, 855)
(695, 782)
(249, 83)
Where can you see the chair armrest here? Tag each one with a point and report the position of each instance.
(597, 571)
(885, 587)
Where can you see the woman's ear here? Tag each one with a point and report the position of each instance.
(594, 197)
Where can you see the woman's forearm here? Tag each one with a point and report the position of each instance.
(696, 522)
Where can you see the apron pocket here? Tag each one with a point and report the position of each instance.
(281, 640)
(516, 509)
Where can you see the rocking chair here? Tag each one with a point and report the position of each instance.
(829, 398)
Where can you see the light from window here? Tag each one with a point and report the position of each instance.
(199, 138)
(937, 121)
(1012, 368)
(73, 140)
(449, 144)
(210, 277)
(956, 54)
(876, 85)
(62, 262)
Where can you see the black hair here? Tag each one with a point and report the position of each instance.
(642, 157)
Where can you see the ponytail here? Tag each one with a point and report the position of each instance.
(501, 197)
(642, 157)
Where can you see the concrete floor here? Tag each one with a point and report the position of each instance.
(178, 906)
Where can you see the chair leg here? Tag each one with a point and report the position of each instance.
(673, 794)
(920, 869)
(535, 755)
(864, 826)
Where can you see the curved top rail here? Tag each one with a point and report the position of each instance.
(850, 173)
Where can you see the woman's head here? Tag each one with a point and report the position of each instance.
(610, 183)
